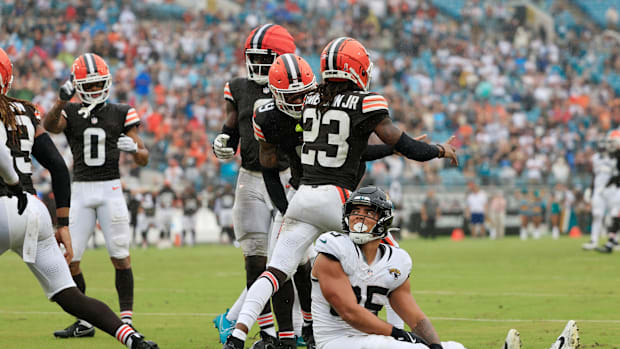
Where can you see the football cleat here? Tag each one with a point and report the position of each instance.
(300, 341)
(233, 343)
(569, 339)
(224, 326)
(265, 342)
(589, 246)
(605, 249)
(77, 329)
(288, 343)
(137, 341)
(513, 340)
(308, 336)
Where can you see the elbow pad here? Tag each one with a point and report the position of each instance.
(46, 153)
(416, 150)
(233, 132)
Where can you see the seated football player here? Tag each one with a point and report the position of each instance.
(355, 275)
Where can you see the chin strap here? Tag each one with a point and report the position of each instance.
(85, 111)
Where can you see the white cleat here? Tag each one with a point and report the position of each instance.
(513, 340)
(589, 246)
(569, 339)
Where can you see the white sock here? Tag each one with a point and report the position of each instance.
(237, 333)
(555, 232)
(270, 331)
(597, 224)
(258, 295)
(123, 334)
(127, 317)
(523, 233)
(233, 313)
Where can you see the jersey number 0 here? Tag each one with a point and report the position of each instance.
(337, 142)
(94, 146)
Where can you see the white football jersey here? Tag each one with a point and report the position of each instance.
(603, 167)
(371, 283)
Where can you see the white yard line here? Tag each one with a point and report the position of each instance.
(11, 312)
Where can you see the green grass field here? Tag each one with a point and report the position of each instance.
(473, 291)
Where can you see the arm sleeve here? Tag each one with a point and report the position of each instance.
(48, 156)
(233, 141)
(416, 150)
(7, 171)
(377, 151)
(275, 188)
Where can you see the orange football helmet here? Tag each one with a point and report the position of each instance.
(262, 46)
(346, 58)
(88, 71)
(290, 79)
(6, 72)
(613, 140)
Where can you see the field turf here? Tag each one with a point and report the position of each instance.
(473, 291)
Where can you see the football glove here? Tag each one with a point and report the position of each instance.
(22, 199)
(220, 149)
(127, 144)
(404, 336)
(66, 91)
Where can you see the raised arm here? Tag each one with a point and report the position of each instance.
(53, 121)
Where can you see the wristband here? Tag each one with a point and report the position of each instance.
(442, 150)
(62, 221)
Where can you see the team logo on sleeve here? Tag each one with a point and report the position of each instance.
(395, 273)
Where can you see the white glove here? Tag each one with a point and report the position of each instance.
(127, 144)
(220, 149)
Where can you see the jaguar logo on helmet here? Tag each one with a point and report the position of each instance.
(91, 77)
(262, 47)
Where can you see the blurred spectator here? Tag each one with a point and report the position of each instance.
(191, 204)
(429, 214)
(223, 210)
(476, 209)
(497, 215)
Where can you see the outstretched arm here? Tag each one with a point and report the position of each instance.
(411, 148)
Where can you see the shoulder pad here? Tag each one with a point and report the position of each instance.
(335, 244)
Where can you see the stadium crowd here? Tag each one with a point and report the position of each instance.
(527, 106)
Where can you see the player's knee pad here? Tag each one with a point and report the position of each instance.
(254, 244)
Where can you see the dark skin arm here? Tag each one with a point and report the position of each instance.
(232, 118)
(62, 233)
(141, 157)
(53, 121)
(404, 304)
(268, 156)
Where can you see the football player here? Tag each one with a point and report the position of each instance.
(25, 223)
(97, 132)
(337, 122)
(612, 196)
(252, 208)
(603, 166)
(355, 275)
(191, 204)
(166, 199)
(276, 126)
